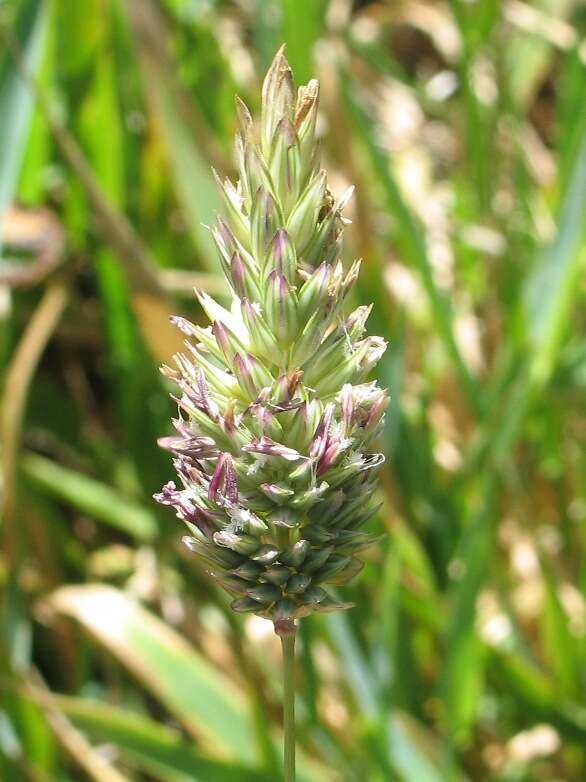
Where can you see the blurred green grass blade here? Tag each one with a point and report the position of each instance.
(385, 644)
(303, 22)
(557, 640)
(33, 177)
(553, 284)
(310, 673)
(571, 114)
(479, 123)
(38, 741)
(412, 751)
(89, 496)
(198, 695)
(16, 112)
(354, 663)
(414, 557)
(404, 738)
(538, 696)
(461, 681)
(23, 729)
(392, 375)
(151, 747)
(527, 57)
(266, 31)
(11, 770)
(16, 99)
(409, 236)
(190, 169)
(549, 293)
(132, 369)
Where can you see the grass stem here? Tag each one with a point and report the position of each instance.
(288, 645)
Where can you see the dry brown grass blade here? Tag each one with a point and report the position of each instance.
(20, 373)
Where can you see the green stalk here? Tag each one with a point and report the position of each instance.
(288, 644)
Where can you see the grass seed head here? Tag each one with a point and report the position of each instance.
(276, 415)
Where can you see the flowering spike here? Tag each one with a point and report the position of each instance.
(277, 416)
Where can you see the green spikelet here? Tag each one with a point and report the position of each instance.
(275, 414)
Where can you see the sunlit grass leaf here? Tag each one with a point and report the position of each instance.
(203, 699)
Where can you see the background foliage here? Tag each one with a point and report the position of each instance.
(463, 125)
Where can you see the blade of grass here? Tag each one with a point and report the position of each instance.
(132, 370)
(16, 104)
(549, 294)
(203, 699)
(150, 746)
(196, 189)
(354, 663)
(89, 496)
(571, 118)
(412, 751)
(479, 119)
(398, 739)
(553, 285)
(16, 98)
(31, 738)
(538, 696)
(80, 750)
(117, 230)
(384, 652)
(528, 57)
(560, 646)
(461, 681)
(303, 22)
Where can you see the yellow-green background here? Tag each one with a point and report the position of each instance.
(463, 126)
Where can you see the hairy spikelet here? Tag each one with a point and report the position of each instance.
(276, 417)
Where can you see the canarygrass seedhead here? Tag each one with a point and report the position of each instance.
(276, 415)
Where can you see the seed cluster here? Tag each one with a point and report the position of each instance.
(276, 417)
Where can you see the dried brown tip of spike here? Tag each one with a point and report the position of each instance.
(307, 96)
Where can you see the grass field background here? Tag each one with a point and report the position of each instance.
(463, 126)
